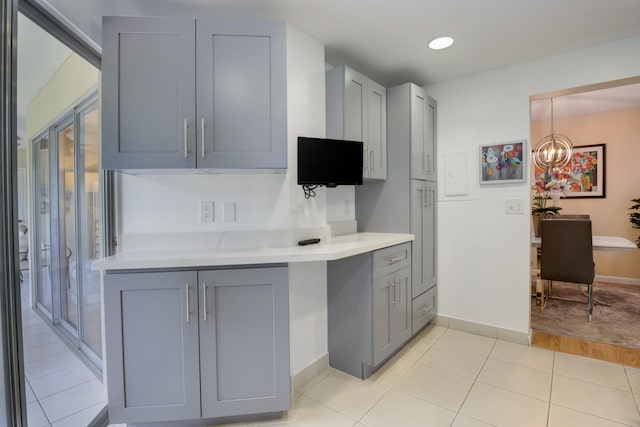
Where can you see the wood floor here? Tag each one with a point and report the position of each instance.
(595, 350)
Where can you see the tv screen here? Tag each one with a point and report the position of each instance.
(329, 162)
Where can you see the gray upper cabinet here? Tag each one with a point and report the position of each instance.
(148, 93)
(357, 111)
(187, 93)
(423, 150)
(190, 345)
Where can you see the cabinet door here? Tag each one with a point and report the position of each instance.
(383, 304)
(356, 120)
(241, 94)
(429, 236)
(377, 130)
(151, 332)
(148, 93)
(419, 201)
(420, 160)
(244, 341)
(401, 313)
(423, 221)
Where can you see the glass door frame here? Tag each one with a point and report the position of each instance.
(57, 221)
(88, 105)
(13, 407)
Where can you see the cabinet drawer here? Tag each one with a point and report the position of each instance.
(424, 308)
(388, 260)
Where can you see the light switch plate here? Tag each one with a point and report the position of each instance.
(206, 211)
(514, 206)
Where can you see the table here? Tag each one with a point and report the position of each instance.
(600, 243)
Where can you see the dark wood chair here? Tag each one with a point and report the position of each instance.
(567, 254)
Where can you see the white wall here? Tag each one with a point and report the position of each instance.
(483, 254)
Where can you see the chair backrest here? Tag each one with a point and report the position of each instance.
(572, 216)
(567, 250)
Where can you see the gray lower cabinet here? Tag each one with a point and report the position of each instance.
(193, 93)
(369, 308)
(184, 345)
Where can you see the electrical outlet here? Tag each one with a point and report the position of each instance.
(206, 211)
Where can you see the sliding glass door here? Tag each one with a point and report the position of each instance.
(68, 194)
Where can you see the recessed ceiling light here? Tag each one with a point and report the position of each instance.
(441, 43)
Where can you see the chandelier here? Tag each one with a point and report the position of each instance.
(553, 151)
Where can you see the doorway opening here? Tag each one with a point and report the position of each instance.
(600, 119)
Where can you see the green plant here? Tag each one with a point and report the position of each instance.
(546, 191)
(634, 217)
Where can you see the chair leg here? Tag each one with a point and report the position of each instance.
(590, 287)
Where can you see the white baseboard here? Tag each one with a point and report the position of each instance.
(484, 330)
(307, 373)
(618, 280)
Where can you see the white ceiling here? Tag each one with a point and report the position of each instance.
(387, 39)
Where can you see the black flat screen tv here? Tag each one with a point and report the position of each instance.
(329, 162)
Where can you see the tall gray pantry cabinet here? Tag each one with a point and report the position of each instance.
(406, 201)
(185, 345)
(193, 93)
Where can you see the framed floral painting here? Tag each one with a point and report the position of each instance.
(503, 163)
(584, 176)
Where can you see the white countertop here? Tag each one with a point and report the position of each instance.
(335, 248)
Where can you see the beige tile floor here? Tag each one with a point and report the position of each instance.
(60, 390)
(446, 377)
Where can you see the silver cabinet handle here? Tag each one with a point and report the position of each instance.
(372, 157)
(365, 161)
(428, 156)
(433, 198)
(399, 293)
(204, 300)
(202, 136)
(425, 197)
(396, 259)
(184, 128)
(392, 290)
(188, 292)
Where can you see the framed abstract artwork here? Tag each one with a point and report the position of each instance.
(584, 176)
(503, 163)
